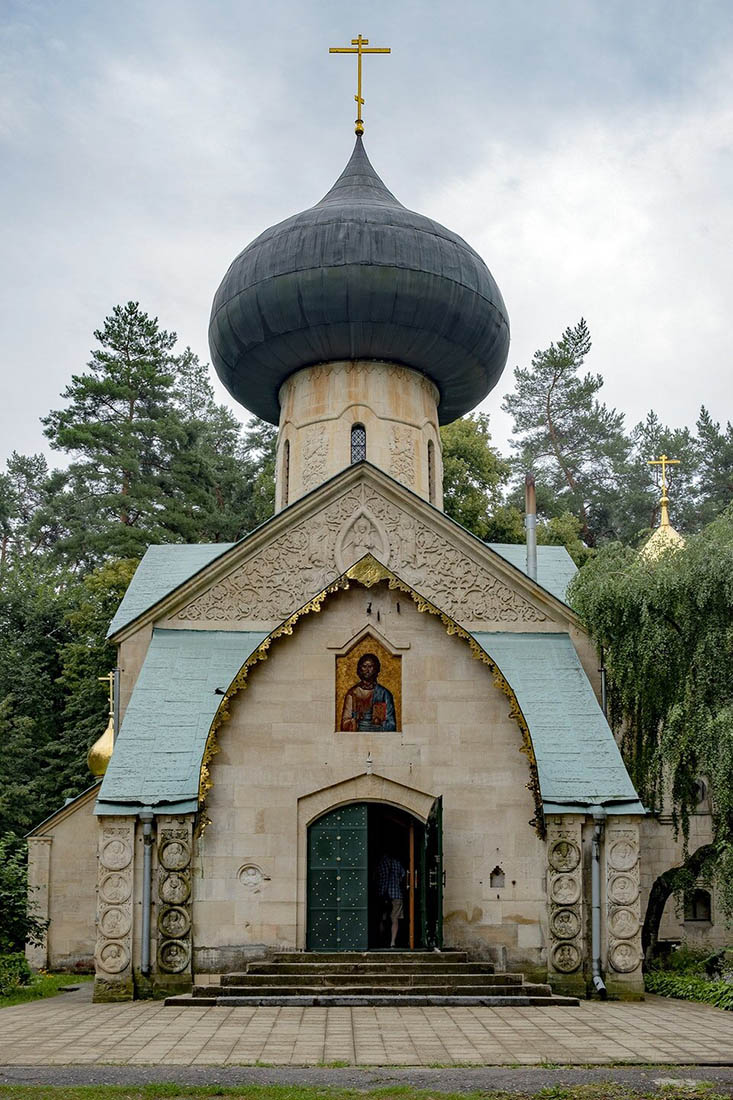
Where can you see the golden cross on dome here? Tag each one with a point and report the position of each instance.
(359, 44)
(664, 462)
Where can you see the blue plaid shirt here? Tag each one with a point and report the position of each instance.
(390, 877)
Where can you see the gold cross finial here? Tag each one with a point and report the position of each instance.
(359, 44)
(109, 679)
(664, 462)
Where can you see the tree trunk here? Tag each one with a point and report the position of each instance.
(659, 895)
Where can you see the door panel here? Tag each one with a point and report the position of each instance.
(432, 877)
(338, 881)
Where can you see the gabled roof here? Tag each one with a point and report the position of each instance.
(578, 760)
(165, 569)
(555, 567)
(157, 756)
(161, 571)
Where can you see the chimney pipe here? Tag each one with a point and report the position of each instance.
(530, 523)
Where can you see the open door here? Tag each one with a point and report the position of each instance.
(432, 877)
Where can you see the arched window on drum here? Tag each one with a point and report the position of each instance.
(358, 443)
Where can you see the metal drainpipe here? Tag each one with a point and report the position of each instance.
(530, 524)
(604, 699)
(147, 817)
(599, 817)
(116, 700)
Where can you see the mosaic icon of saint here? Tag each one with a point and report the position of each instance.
(368, 705)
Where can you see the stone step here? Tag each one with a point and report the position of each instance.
(364, 968)
(368, 956)
(438, 989)
(381, 999)
(386, 977)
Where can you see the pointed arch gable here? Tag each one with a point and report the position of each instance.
(367, 572)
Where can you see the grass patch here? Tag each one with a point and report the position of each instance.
(598, 1091)
(41, 985)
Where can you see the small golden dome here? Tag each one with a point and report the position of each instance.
(100, 753)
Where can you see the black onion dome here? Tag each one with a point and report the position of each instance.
(359, 276)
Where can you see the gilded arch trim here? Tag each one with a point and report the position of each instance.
(368, 572)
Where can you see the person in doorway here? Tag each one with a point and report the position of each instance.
(390, 880)
(368, 705)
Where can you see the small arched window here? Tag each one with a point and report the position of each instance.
(497, 879)
(431, 471)
(698, 906)
(286, 473)
(358, 443)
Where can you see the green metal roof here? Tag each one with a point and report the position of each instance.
(157, 756)
(162, 569)
(578, 760)
(555, 567)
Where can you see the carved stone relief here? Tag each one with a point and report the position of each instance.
(315, 454)
(302, 561)
(402, 456)
(113, 955)
(174, 897)
(624, 906)
(565, 891)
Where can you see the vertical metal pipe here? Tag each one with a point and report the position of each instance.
(604, 697)
(530, 524)
(599, 817)
(147, 817)
(116, 700)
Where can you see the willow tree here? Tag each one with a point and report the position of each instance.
(666, 626)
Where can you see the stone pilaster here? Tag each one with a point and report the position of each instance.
(173, 918)
(113, 952)
(39, 874)
(623, 915)
(565, 898)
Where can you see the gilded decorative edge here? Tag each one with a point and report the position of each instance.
(368, 572)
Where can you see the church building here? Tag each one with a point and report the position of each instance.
(357, 678)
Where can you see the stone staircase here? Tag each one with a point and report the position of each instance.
(371, 978)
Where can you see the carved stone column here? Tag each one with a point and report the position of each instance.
(113, 954)
(623, 917)
(173, 973)
(565, 898)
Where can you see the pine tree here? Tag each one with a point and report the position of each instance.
(574, 444)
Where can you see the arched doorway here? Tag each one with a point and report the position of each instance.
(344, 909)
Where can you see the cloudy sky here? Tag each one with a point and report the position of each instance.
(583, 147)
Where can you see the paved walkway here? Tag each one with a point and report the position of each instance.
(69, 1030)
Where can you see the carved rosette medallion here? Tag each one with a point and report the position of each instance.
(565, 891)
(302, 561)
(174, 896)
(115, 864)
(624, 906)
(566, 957)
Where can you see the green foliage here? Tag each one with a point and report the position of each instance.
(575, 445)
(667, 629)
(473, 473)
(14, 972)
(18, 922)
(690, 988)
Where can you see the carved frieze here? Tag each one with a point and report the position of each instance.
(174, 897)
(402, 455)
(304, 560)
(113, 954)
(315, 454)
(624, 905)
(565, 894)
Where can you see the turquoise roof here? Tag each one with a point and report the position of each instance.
(555, 567)
(162, 569)
(578, 760)
(157, 756)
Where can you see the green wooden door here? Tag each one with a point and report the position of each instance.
(338, 881)
(431, 893)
